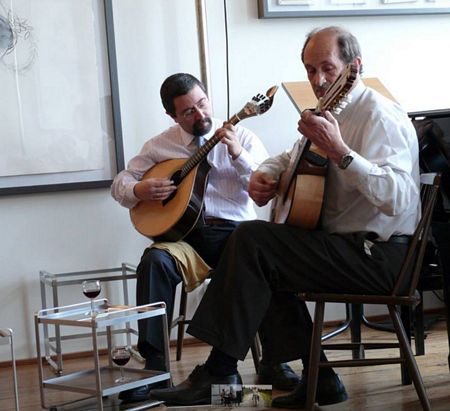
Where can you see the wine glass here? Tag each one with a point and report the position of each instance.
(91, 289)
(120, 356)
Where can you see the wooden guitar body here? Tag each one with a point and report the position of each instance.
(303, 203)
(301, 190)
(172, 220)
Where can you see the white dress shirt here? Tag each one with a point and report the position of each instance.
(379, 191)
(226, 193)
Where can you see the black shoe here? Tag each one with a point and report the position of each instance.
(330, 390)
(139, 394)
(281, 376)
(196, 389)
(154, 361)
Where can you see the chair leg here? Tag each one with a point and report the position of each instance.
(446, 280)
(355, 330)
(419, 327)
(409, 358)
(406, 322)
(182, 322)
(442, 237)
(313, 371)
(447, 305)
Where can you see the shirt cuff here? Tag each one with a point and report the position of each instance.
(131, 199)
(358, 170)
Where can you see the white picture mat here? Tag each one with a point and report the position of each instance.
(58, 116)
(301, 8)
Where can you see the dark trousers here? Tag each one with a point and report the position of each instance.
(261, 269)
(158, 277)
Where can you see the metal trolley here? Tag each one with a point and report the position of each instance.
(100, 380)
(53, 281)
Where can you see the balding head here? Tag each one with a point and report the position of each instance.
(347, 44)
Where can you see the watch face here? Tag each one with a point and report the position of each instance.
(345, 161)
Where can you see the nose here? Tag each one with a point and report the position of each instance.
(319, 78)
(198, 113)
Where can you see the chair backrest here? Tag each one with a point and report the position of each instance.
(412, 265)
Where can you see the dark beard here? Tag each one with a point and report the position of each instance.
(202, 127)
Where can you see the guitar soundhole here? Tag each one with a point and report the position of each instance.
(177, 179)
(164, 202)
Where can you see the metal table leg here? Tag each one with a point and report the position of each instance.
(8, 333)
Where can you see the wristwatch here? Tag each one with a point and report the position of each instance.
(345, 161)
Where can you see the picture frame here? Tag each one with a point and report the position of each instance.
(268, 9)
(63, 129)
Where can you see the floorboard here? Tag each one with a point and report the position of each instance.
(369, 388)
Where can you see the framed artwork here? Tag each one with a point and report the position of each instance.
(60, 127)
(321, 8)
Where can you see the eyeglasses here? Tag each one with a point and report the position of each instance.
(201, 105)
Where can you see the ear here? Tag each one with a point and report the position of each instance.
(358, 62)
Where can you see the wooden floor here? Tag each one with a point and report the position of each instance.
(369, 388)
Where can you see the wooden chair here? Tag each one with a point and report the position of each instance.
(434, 157)
(413, 261)
(181, 322)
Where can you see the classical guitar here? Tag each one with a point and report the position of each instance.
(300, 191)
(173, 218)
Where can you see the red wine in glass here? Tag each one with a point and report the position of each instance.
(91, 294)
(121, 361)
(120, 356)
(91, 289)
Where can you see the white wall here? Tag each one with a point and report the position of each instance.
(155, 38)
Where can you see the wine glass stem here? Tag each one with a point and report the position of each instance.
(92, 307)
(122, 377)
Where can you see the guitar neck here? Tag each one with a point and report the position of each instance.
(199, 156)
(315, 159)
(258, 105)
(203, 151)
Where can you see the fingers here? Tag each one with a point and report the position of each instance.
(329, 117)
(161, 188)
(228, 137)
(156, 189)
(227, 133)
(262, 188)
